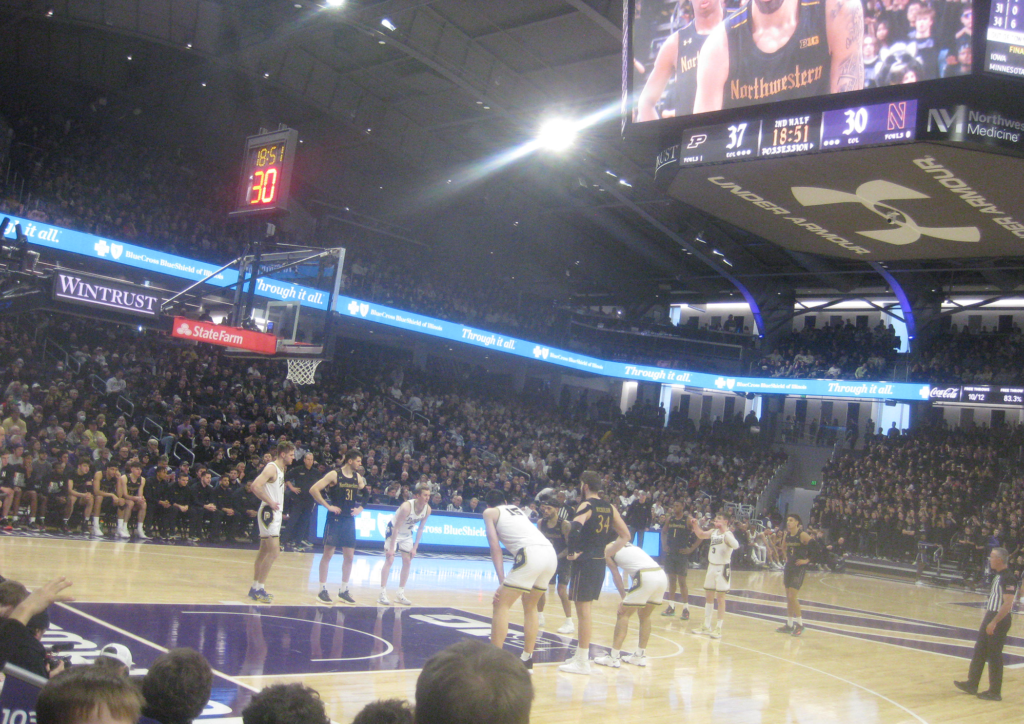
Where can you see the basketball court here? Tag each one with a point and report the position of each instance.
(873, 651)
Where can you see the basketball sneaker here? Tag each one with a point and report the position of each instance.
(685, 615)
(346, 597)
(606, 660)
(670, 611)
(383, 600)
(141, 534)
(528, 664)
(797, 629)
(324, 597)
(575, 666)
(704, 630)
(965, 686)
(400, 598)
(540, 620)
(787, 629)
(268, 595)
(716, 633)
(567, 628)
(636, 659)
(259, 596)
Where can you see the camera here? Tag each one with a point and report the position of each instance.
(53, 657)
(892, 217)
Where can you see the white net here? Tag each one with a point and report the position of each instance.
(302, 370)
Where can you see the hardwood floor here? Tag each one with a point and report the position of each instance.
(873, 650)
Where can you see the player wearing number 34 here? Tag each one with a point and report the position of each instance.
(775, 50)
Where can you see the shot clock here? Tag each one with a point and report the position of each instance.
(266, 173)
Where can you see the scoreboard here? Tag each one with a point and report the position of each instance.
(1005, 50)
(786, 135)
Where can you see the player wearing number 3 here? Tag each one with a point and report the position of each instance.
(723, 543)
(535, 564)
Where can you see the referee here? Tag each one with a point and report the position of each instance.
(994, 628)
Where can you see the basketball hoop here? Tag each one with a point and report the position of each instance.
(302, 370)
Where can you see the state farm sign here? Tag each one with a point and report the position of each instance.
(224, 336)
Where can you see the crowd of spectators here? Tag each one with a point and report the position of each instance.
(906, 41)
(959, 489)
(202, 424)
(835, 351)
(961, 356)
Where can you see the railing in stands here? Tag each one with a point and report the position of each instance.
(123, 404)
(180, 450)
(98, 383)
(55, 351)
(153, 427)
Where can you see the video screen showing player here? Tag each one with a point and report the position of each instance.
(694, 56)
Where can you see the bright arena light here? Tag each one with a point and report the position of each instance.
(335, 3)
(556, 134)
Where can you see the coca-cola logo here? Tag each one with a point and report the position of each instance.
(949, 393)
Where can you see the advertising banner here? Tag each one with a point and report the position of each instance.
(101, 293)
(224, 336)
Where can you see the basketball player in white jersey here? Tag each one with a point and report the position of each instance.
(716, 582)
(647, 592)
(399, 535)
(269, 488)
(535, 563)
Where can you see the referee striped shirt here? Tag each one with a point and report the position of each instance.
(1004, 582)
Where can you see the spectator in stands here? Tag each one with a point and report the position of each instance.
(385, 711)
(177, 687)
(472, 682)
(88, 695)
(285, 704)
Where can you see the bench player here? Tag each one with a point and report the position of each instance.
(341, 488)
(269, 488)
(716, 582)
(647, 592)
(399, 535)
(535, 564)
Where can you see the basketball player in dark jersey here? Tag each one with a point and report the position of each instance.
(677, 543)
(798, 557)
(134, 495)
(340, 487)
(597, 523)
(81, 488)
(775, 50)
(556, 530)
(678, 55)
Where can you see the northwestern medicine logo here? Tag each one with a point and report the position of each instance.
(873, 196)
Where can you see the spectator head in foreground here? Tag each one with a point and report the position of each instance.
(285, 704)
(385, 711)
(177, 687)
(88, 695)
(471, 682)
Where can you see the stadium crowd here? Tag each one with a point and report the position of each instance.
(81, 434)
(960, 489)
(961, 356)
(837, 351)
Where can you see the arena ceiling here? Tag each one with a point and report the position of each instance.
(407, 133)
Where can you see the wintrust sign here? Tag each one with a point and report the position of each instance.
(102, 293)
(224, 336)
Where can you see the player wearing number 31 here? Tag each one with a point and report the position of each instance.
(535, 564)
(337, 491)
(723, 543)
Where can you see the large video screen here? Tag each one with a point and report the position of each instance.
(1004, 51)
(697, 56)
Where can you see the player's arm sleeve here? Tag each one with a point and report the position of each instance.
(712, 71)
(575, 532)
(845, 32)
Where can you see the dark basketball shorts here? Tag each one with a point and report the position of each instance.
(340, 532)
(676, 563)
(562, 573)
(586, 579)
(793, 576)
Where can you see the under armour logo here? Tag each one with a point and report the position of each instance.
(101, 247)
(873, 195)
